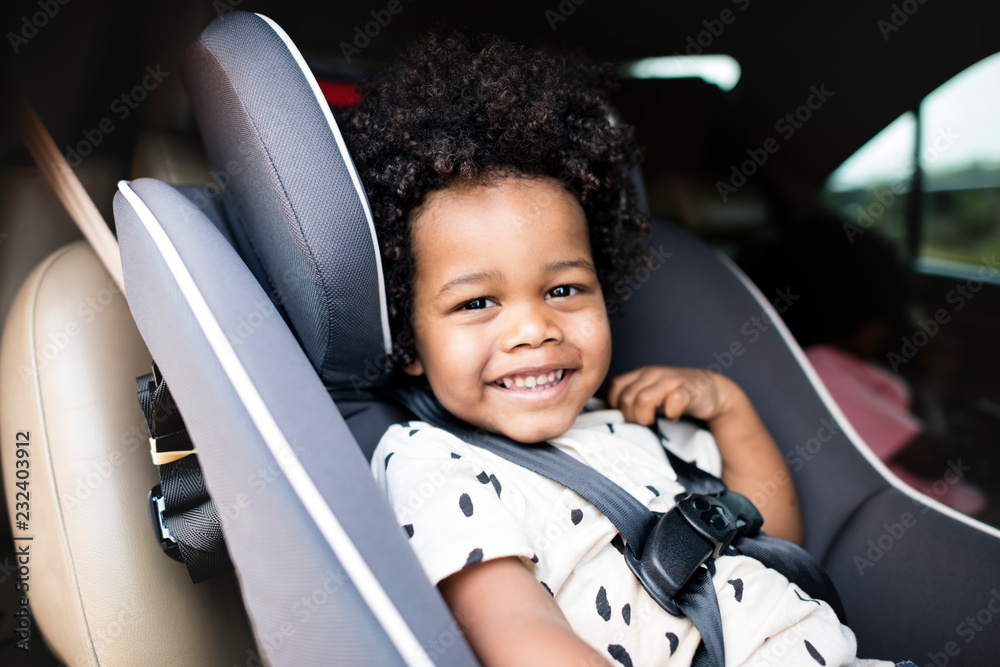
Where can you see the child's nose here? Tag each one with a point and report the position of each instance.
(530, 325)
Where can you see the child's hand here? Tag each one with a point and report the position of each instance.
(672, 391)
(750, 459)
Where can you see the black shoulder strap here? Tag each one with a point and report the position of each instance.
(632, 519)
(687, 544)
(184, 516)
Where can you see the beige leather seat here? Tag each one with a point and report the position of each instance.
(101, 591)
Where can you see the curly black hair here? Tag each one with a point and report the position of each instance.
(457, 109)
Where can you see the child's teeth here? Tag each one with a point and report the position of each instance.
(532, 381)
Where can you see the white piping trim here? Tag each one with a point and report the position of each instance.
(838, 414)
(325, 108)
(343, 547)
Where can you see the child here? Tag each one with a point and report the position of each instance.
(499, 182)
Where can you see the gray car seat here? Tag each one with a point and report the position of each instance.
(253, 335)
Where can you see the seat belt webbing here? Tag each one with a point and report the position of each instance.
(188, 513)
(697, 600)
(67, 187)
(631, 517)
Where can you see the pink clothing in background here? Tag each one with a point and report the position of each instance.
(877, 404)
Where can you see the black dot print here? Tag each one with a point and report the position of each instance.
(619, 543)
(738, 587)
(672, 638)
(814, 653)
(534, 558)
(455, 456)
(496, 484)
(409, 529)
(807, 599)
(387, 457)
(475, 556)
(603, 607)
(413, 430)
(483, 478)
(619, 653)
(465, 502)
(627, 614)
(546, 586)
(576, 516)
(653, 489)
(611, 428)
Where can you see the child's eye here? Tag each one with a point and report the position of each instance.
(478, 304)
(563, 290)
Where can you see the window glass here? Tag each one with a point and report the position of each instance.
(960, 158)
(870, 187)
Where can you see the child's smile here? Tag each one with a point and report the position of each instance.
(509, 317)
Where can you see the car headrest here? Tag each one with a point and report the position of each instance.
(298, 211)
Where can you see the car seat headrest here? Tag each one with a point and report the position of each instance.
(298, 211)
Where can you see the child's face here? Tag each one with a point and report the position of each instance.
(505, 293)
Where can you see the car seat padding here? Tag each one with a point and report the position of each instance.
(294, 202)
(301, 513)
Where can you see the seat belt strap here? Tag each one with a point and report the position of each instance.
(633, 519)
(686, 536)
(184, 516)
(67, 187)
(700, 604)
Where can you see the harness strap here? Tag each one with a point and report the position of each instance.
(633, 519)
(687, 540)
(184, 516)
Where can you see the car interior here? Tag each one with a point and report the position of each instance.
(205, 135)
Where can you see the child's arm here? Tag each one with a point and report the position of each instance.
(751, 462)
(510, 619)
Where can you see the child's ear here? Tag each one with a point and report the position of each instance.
(414, 369)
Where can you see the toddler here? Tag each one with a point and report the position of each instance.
(499, 182)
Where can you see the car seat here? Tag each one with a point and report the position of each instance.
(256, 334)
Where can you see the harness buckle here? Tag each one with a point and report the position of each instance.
(698, 529)
(163, 536)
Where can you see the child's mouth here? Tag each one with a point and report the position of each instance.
(539, 382)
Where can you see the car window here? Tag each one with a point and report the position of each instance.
(960, 160)
(870, 188)
(954, 169)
